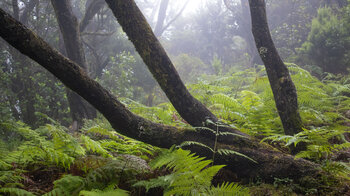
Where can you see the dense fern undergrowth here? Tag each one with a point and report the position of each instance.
(51, 160)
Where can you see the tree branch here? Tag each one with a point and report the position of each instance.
(91, 11)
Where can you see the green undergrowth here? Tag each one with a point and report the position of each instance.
(97, 160)
(191, 175)
(51, 161)
(245, 101)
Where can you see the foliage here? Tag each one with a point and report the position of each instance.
(190, 68)
(318, 140)
(328, 42)
(16, 191)
(119, 192)
(102, 180)
(35, 149)
(244, 100)
(113, 142)
(214, 149)
(191, 175)
(51, 146)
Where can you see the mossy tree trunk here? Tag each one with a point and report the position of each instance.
(270, 162)
(153, 54)
(282, 86)
(69, 27)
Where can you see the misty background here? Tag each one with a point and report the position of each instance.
(206, 39)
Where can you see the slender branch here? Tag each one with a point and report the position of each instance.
(175, 17)
(98, 33)
(91, 11)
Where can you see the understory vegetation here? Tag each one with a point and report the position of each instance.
(96, 160)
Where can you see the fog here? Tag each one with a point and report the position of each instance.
(201, 37)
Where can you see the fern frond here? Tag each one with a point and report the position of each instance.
(94, 146)
(68, 185)
(16, 191)
(117, 192)
(11, 176)
(231, 134)
(191, 175)
(229, 189)
(162, 181)
(232, 152)
(190, 143)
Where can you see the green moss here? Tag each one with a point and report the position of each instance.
(271, 190)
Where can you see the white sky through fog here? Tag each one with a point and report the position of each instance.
(192, 6)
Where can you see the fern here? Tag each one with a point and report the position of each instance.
(191, 175)
(36, 149)
(16, 191)
(228, 189)
(67, 186)
(94, 146)
(123, 169)
(232, 152)
(114, 142)
(190, 143)
(119, 192)
(338, 168)
(317, 140)
(9, 176)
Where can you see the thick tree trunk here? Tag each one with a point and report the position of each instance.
(68, 23)
(270, 162)
(281, 82)
(153, 54)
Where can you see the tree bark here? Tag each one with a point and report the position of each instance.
(69, 27)
(282, 86)
(270, 162)
(153, 54)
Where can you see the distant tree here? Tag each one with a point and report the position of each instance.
(328, 43)
(70, 30)
(190, 68)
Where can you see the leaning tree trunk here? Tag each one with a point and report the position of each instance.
(281, 82)
(271, 163)
(68, 24)
(153, 54)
